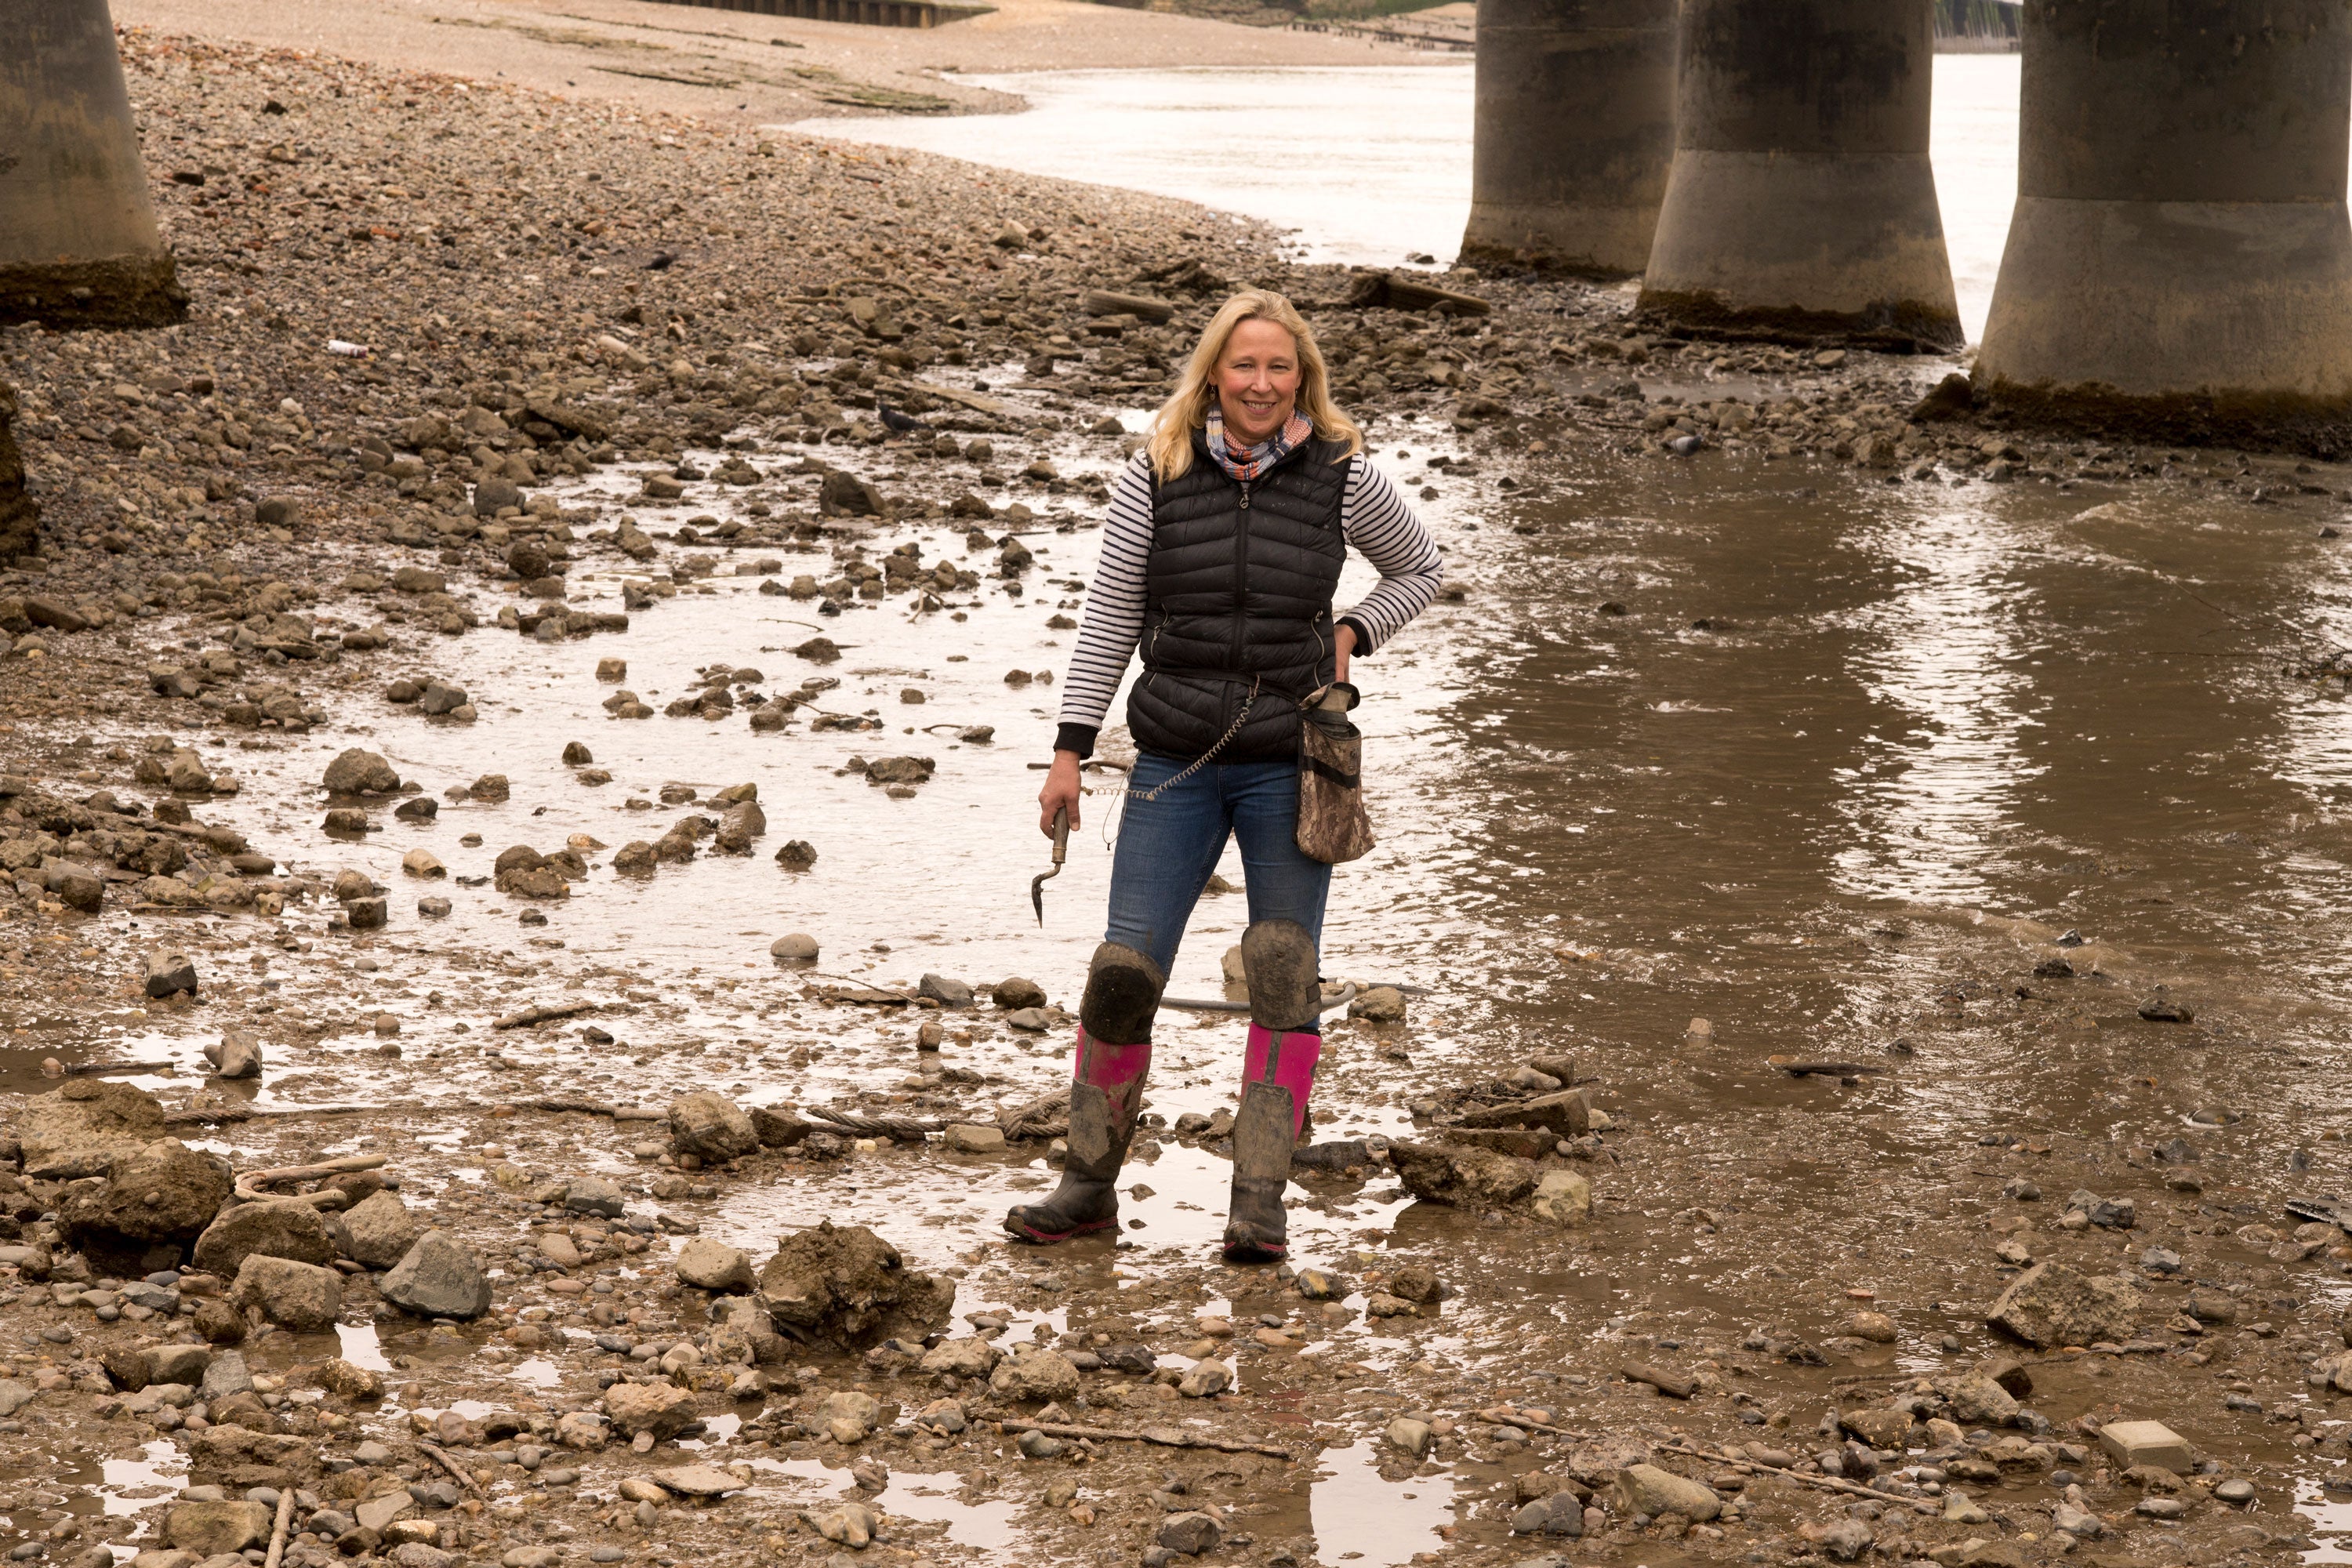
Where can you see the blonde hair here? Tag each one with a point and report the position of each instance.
(1170, 441)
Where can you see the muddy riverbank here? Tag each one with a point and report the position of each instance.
(1996, 779)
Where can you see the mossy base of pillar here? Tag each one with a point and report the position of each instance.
(120, 292)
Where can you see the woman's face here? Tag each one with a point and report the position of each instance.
(1257, 381)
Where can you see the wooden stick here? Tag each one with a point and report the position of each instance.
(544, 1013)
(1828, 1483)
(432, 1452)
(248, 1184)
(1166, 1436)
(1504, 1415)
(277, 1531)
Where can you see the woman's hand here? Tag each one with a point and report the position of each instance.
(1343, 643)
(1061, 792)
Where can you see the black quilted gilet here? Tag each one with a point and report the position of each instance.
(1239, 588)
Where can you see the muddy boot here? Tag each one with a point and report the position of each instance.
(1113, 1055)
(1279, 1076)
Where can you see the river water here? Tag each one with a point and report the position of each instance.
(1372, 166)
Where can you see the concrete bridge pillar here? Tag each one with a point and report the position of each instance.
(1575, 131)
(1801, 204)
(78, 241)
(2180, 259)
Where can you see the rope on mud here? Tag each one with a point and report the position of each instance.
(1165, 1436)
(249, 1186)
(897, 1129)
(1047, 1116)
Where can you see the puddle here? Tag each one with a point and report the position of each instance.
(983, 1525)
(1358, 1517)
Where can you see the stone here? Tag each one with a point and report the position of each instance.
(852, 1525)
(661, 1409)
(298, 1296)
(379, 1513)
(845, 1285)
(210, 1529)
(1033, 1374)
(1380, 1004)
(382, 1229)
(284, 1228)
(2131, 1443)
(235, 1056)
(170, 974)
(1962, 1508)
(84, 1127)
(839, 493)
(179, 1364)
(962, 1358)
(1192, 1532)
(1563, 1198)
(1409, 1435)
(1876, 1328)
(1561, 1513)
(947, 993)
(1205, 1379)
(439, 1277)
(707, 1124)
(1842, 1540)
(1977, 1400)
(165, 1193)
(1879, 1427)
(1468, 1178)
(796, 948)
(974, 1138)
(2051, 1304)
(712, 1265)
(357, 771)
(422, 862)
(594, 1194)
(367, 914)
(850, 1415)
(349, 1381)
(1014, 992)
(743, 822)
(699, 1480)
(1647, 1490)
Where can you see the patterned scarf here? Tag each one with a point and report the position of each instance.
(1251, 461)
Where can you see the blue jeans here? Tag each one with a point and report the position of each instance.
(1168, 848)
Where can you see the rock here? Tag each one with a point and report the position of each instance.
(744, 822)
(298, 1296)
(839, 494)
(2131, 1443)
(961, 1358)
(1205, 1379)
(1409, 1435)
(1960, 1508)
(661, 1409)
(974, 1138)
(852, 1525)
(2051, 1304)
(1192, 1533)
(1562, 1197)
(381, 1230)
(1647, 1490)
(777, 1129)
(1876, 1328)
(1881, 1428)
(287, 1228)
(1561, 1513)
(1474, 1178)
(165, 1193)
(491, 788)
(796, 948)
(440, 1277)
(493, 496)
(357, 771)
(349, 1380)
(1842, 1540)
(84, 1127)
(235, 1056)
(179, 1364)
(379, 1513)
(851, 1417)
(422, 862)
(211, 1529)
(699, 1480)
(1977, 1400)
(947, 993)
(1032, 1374)
(711, 1265)
(594, 1194)
(845, 1285)
(708, 1125)
(1380, 1004)
(1015, 992)
(2077, 1522)
(170, 974)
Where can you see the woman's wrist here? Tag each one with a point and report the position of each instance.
(1077, 739)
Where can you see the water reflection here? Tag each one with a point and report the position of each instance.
(1358, 1517)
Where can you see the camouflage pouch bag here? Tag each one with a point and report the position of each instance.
(1333, 826)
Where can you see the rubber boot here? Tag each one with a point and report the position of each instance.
(1278, 1078)
(1112, 1059)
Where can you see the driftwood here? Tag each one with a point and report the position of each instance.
(1165, 1436)
(1406, 291)
(277, 1531)
(227, 1115)
(544, 1013)
(1750, 1466)
(249, 1186)
(1665, 1383)
(1103, 302)
(100, 1069)
(560, 1103)
(432, 1452)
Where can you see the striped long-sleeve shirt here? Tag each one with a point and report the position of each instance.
(1374, 517)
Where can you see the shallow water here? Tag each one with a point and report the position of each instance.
(1371, 166)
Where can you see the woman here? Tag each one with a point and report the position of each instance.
(1224, 542)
